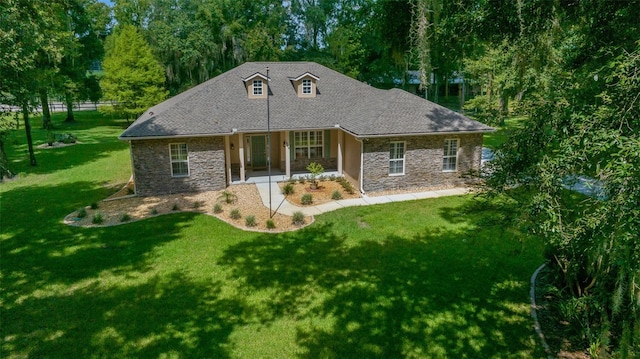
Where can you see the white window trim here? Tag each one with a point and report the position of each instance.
(403, 159)
(172, 161)
(308, 146)
(309, 88)
(256, 88)
(444, 156)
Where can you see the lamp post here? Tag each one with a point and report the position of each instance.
(269, 144)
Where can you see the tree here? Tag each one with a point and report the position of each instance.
(31, 41)
(133, 78)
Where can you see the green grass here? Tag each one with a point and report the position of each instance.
(433, 278)
(495, 139)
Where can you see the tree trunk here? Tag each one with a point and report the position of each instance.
(27, 128)
(3, 161)
(446, 87)
(69, 102)
(46, 114)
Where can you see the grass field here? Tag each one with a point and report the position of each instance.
(440, 278)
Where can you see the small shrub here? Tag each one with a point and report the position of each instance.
(287, 189)
(235, 214)
(307, 198)
(130, 191)
(154, 211)
(228, 197)
(94, 205)
(125, 217)
(292, 180)
(217, 208)
(302, 179)
(336, 195)
(97, 218)
(346, 185)
(332, 178)
(175, 207)
(197, 204)
(271, 224)
(298, 218)
(250, 221)
(82, 213)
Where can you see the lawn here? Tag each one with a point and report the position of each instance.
(433, 278)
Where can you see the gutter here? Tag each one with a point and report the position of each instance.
(423, 133)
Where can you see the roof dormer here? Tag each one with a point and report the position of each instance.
(256, 85)
(306, 85)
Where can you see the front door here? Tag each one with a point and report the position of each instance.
(258, 152)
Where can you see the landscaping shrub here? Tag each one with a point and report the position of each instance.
(307, 198)
(287, 189)
(154, 211)
(125, 218)
(94, 205)
(235, 214)
(82, 213)
(97, 218)
(197, 204)
(228, 197)
(271, 224)
(175, 207)
(302, 179)
(346, 185)
(250, 221)
(336, 195)
(217, 208)
(298, 218)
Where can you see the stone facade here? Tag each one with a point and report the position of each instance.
(152, 166)
(423, 161)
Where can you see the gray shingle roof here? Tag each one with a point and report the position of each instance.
(221, 105)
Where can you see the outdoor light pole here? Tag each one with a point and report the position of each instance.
(269, 144)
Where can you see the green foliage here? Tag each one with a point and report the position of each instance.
(336, 195)
(235, 214)
(306, 199)
(298, 218)
(250, 221)
(154, 211)
(125, 217)
(271, 224)
(228, 197)
(97, 218)
(94, 205)
(175, 207)
(316, 170)
(287, 189)
(133, 78)
(217, 208)
(197, 204)
(81, 213)
(348, 187)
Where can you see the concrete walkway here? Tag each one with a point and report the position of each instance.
(280, 204)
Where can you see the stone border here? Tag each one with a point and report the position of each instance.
(534, 312)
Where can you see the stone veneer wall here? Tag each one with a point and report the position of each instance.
(423, 161)
(152, 166)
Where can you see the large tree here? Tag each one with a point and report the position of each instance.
(133, 78)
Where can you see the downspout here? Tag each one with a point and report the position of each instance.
(361, 165)
(133, 169)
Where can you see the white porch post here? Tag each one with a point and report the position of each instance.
(241, 155)
(227, 159)
(340, 141)
(287, 155)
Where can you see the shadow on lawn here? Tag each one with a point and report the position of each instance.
(72, 292)
(433, 295)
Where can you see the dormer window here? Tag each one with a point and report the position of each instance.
(257, 87)
(305, 85)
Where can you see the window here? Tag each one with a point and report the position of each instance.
(396, 158)
(179, 160)
(450, 156)
(308, 144)
(306, 87)
(257, 87)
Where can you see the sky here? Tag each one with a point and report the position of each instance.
(108, 2)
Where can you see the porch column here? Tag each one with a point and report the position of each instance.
(241, 155)
(287, 155)
(340, 141)
(227, 159)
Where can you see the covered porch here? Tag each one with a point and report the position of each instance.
(247, 155)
